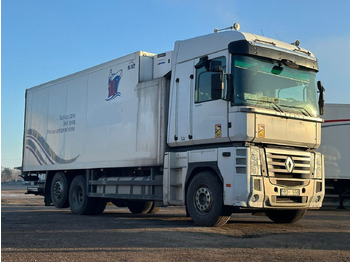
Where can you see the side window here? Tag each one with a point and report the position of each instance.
(209, 82)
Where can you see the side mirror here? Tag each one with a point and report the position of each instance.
(321, 90)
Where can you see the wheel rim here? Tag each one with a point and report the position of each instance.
(78, 196)
(203, 199)
(58, 190)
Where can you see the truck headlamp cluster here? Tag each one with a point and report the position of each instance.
(254, 162)
(318, 166)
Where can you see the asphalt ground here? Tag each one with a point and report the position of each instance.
(32, 232)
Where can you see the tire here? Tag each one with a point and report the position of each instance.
(285, 216)
(60, 190)
(204, 201)
(154, 209)
(79, 201)
(139, 206)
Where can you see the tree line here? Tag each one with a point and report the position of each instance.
(8, 174)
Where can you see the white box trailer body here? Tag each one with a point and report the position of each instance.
(101, 117)
(336, 142)
(336, 150)
(214, 125)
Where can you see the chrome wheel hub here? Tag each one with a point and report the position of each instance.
(203, 199)
(58, 190)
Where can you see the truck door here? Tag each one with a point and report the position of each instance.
(210, 110)
(179, 129)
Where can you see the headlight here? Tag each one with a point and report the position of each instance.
(254, 162)
(318, 166)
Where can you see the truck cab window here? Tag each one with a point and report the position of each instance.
(209, 82)
(274, 85)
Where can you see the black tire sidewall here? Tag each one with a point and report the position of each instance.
(76, 208)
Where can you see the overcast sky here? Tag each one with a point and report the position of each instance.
(42, 40)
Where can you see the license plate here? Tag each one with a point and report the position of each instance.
(290, 192)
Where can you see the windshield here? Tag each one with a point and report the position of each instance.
(281, 86)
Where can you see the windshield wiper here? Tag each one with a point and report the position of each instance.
(301, 109)
(274, 105)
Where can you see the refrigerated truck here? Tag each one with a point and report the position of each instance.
(336, 149)
(226, 122)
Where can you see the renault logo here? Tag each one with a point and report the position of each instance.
(289, 164)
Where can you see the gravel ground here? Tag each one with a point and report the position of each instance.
(32, 232)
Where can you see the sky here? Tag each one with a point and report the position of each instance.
(42, 40)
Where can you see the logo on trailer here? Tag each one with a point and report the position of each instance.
(113, 83)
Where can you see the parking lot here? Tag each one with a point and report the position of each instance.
(32, 232)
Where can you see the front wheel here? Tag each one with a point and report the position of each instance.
(285, 216)
(204, 200)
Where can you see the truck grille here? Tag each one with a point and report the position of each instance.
(289, 168)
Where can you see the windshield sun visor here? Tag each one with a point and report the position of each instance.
(244, 47)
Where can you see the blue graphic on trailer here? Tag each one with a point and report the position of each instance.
(113, 83)
(42, 151)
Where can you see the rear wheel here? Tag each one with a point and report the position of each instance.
(139, 206)
(60, 190)
(204, 200)
(285, 216)
(79, 201)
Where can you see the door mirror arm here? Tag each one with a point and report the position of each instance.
(321, 90)
(229, 94)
